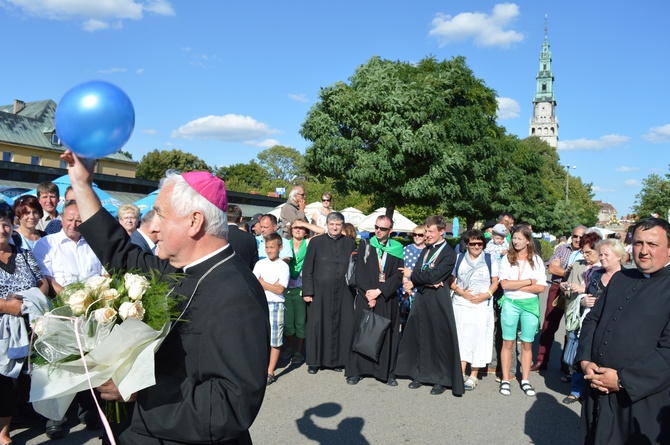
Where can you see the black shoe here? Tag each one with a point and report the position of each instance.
(392, 382)
(353, 380)
(414, 384)
(438, 389)
(55, 432)
(312, 369)
(91, 422)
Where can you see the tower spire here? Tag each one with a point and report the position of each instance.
(544, 122)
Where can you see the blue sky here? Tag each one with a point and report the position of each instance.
(225, 80)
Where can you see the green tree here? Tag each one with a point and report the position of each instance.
(281, 163)
(244, 177)
(404, 133)
(154, 164)
(654, 197)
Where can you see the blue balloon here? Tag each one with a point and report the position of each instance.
(95, 119)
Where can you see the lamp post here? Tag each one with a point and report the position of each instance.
(567, 180)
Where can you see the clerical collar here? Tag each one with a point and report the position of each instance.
(205, 258)
(430, 246)
(333, 237)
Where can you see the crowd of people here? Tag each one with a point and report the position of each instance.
(303, 288)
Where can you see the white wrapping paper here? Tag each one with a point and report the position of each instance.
(126, 356)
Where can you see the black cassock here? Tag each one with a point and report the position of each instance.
(429, 346)
(367, 277)
(330, 316)
(629, 330)
(211, 369)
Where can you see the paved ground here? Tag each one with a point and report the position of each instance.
(322, 409)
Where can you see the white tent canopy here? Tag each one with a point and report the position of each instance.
(400, 223)
(353, 215)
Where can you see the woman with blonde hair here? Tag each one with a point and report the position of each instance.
(129, 216)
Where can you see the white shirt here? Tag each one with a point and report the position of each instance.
(480, 281)
(65, 260)
(270, 272)
(522, 271)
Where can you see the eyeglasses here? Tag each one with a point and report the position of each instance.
(577, 236)
(300, 194)
(420, 235)
(588, 252)
(476, 244)
(325, 200)
(383, 229)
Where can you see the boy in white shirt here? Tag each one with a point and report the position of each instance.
(273, 274)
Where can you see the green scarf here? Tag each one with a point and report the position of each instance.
(392, 247)
(295, 265)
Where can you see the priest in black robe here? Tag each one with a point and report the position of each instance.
(624, 348)
(428, 352)
(330, 303)
(211, 369)
(378, 276)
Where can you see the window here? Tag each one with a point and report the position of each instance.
(35, 160)
(7, 156)
(544, 87)
(532, 131)
(63, 164)
(55, 140)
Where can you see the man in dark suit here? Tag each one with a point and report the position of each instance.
(243, 243)
(146, 235)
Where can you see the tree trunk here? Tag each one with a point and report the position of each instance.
(390, 210)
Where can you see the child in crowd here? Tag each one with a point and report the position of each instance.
(498, 246)
(273, 274)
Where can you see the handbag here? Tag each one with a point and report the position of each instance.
(370, 335)
(571, 348)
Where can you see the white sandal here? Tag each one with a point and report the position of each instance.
(505, 388)
(528, 389)
(470, 384)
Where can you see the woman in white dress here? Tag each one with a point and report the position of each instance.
(319, 217)
(475, 279)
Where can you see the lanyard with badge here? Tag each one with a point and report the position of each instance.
(431, 262)
(381, 260)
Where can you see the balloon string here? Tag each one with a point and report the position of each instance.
(105, 423)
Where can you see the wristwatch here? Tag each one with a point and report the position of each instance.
(618, 382)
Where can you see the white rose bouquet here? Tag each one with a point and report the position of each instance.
(100, 329)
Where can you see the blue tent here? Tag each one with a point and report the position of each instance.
(109, 203)
(145, 204)
(7, 199)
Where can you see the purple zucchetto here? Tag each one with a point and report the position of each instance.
(211, 187)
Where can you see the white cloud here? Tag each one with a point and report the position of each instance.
(483, 29)
(625, 169)
(632, 183)
(112, 71)
(94, 14)
(603, 143)
(94, 25)
(139, 71)
(658, 135)
(149, 131)
(597, 189)
(298, 97)
(228, 128)
(267, 143)
(656, 170)
(508, 108)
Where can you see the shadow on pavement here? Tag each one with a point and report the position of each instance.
(562, 427)
(348, 431)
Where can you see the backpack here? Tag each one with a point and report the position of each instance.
(459, 260)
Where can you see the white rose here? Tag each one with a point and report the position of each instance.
(136, 285)
(79, 301)
(98, 284)
(104, 315)
(131, 310)
(109, 294)
(38, 326)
